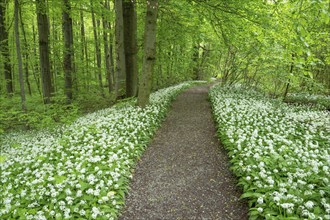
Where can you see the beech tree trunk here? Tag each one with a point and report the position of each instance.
(5, 51)
(96, 24)
(19, 56)
(131, 48)
(68, 50)
(286, 91)
(85, 59)
(107, 55)
(196, 68)
(149, 53)
(120, 52)
(112, 62)
(35, 63)
(25, 54)
(55, 68)
(43, 31)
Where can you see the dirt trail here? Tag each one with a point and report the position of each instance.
(184, 173)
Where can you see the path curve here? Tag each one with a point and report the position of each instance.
(184, 173)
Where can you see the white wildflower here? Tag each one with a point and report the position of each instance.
(309, 204)
(260, 200)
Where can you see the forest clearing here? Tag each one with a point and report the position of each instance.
(147, 109)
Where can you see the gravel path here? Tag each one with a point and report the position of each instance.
(184, 174)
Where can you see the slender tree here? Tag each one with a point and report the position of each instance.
(35, 63)
(195, 58)
(107, 55)
(112, 62)
(289, 80)
(43, 31)
(54, 52)
(96, 25)
(68, 50)
(120, 51)
(19, 56)
(131, 48)
(149, 53)
(84, 56)
(4, 50)
(25, 53)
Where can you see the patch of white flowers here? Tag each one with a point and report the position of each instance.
(81, 170)
(280, 153)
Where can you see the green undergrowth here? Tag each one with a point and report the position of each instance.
(39, 116)
(318, 101)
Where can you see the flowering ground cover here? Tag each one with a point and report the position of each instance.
(280, 153)
(79, 171)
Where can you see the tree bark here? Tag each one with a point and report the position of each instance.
(19, 56)
(4, 50)
(68, 50)
(120, 52)
(25, 54)
(84, 57)
(195, 59)
(43, 31)
(107, 55)
(54, 65)
(35, 63)
(131, 48)
(112, 62)
(286, 91)
(96, 24)
(149, 53)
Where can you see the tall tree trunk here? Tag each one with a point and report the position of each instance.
(55, 67)
(35, 63)
(131, 48)
(112, 62)
(149, 53)
(120, 85)
(205, 54)
(43, 31)
(19, 56)
(96, 25)
(195, 59)
(107, 55)
(5, 51)
(68, 50)
(25, 54)
(286, 91)
(84, 57)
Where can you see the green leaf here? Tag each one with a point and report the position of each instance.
(59, 179)
(251, 195)
(83, 185)
(317, 210)
(2, 159)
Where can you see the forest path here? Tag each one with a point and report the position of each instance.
(184, 174)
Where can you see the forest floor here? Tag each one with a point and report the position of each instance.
(184, 173)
